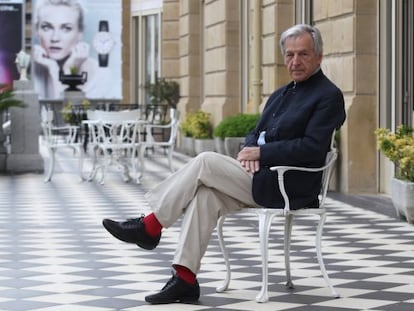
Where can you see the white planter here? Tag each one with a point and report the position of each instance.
(201, 145)
(219, 145)
(232, 145)
(402, 195)
(187, 145)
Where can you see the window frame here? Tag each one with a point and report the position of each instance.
(147, 52)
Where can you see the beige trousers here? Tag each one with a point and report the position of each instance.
(209, 186)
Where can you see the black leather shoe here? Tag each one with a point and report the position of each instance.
(131, 231)
(176, 290)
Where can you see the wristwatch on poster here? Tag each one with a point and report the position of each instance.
(103, 42)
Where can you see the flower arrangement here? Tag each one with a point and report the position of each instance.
(399, 148)
(197, 125)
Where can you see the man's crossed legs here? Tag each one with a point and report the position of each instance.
(209, 186)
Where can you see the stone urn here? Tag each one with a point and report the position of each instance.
(402, 196)
(73, 80)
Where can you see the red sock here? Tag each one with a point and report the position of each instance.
(152, 225)
(186, 274)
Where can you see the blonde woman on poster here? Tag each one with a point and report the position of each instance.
(59, 27)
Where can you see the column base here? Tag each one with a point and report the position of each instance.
(25, 163)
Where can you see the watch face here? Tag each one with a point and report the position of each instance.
(103, 42)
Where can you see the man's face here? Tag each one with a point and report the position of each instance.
(300, 59)
(58, 30)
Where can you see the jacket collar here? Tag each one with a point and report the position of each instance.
(315, 75)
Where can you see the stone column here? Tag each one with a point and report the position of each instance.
(25, 129)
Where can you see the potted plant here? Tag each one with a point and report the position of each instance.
(202, 131)
(163, 95)
(164, 91)
(399, 148)
(7, 100)
(187, 140)
(232, 130)
(198, 126)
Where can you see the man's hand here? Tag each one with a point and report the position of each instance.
(249, 159)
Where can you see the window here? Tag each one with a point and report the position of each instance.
(303, 11)
(147, 53)
(407, 64)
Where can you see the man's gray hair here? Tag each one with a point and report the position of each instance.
(296, 31)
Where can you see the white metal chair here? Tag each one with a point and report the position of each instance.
(266, 216)
(55, 137)
(166, 145)
(114, 137)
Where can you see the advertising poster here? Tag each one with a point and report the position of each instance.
(77, 37)
(11, 38)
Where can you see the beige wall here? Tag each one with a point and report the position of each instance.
(350, 60)
(280, 13)
(189, 56)
(221, 58)
(170, 39)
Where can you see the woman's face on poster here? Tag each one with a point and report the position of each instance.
(58, 30)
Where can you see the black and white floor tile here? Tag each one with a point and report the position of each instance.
(55, 255)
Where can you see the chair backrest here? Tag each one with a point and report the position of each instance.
(46, 122)
(172, 126)
(174, 114)
(46, 115)
(114, 128)
(57, 136)
(114, 116)
(326, 171)
(47, 118)
(331, 157)
(90, 114)
(174, 131)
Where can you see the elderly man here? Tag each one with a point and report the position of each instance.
(295, 128)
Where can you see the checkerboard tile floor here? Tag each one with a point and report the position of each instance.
(55, 255)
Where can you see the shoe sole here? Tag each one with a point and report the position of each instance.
(182, 300)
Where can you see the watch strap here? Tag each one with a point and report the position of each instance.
(103, 60)
(103, 26)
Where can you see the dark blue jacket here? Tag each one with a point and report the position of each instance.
(299, 121)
